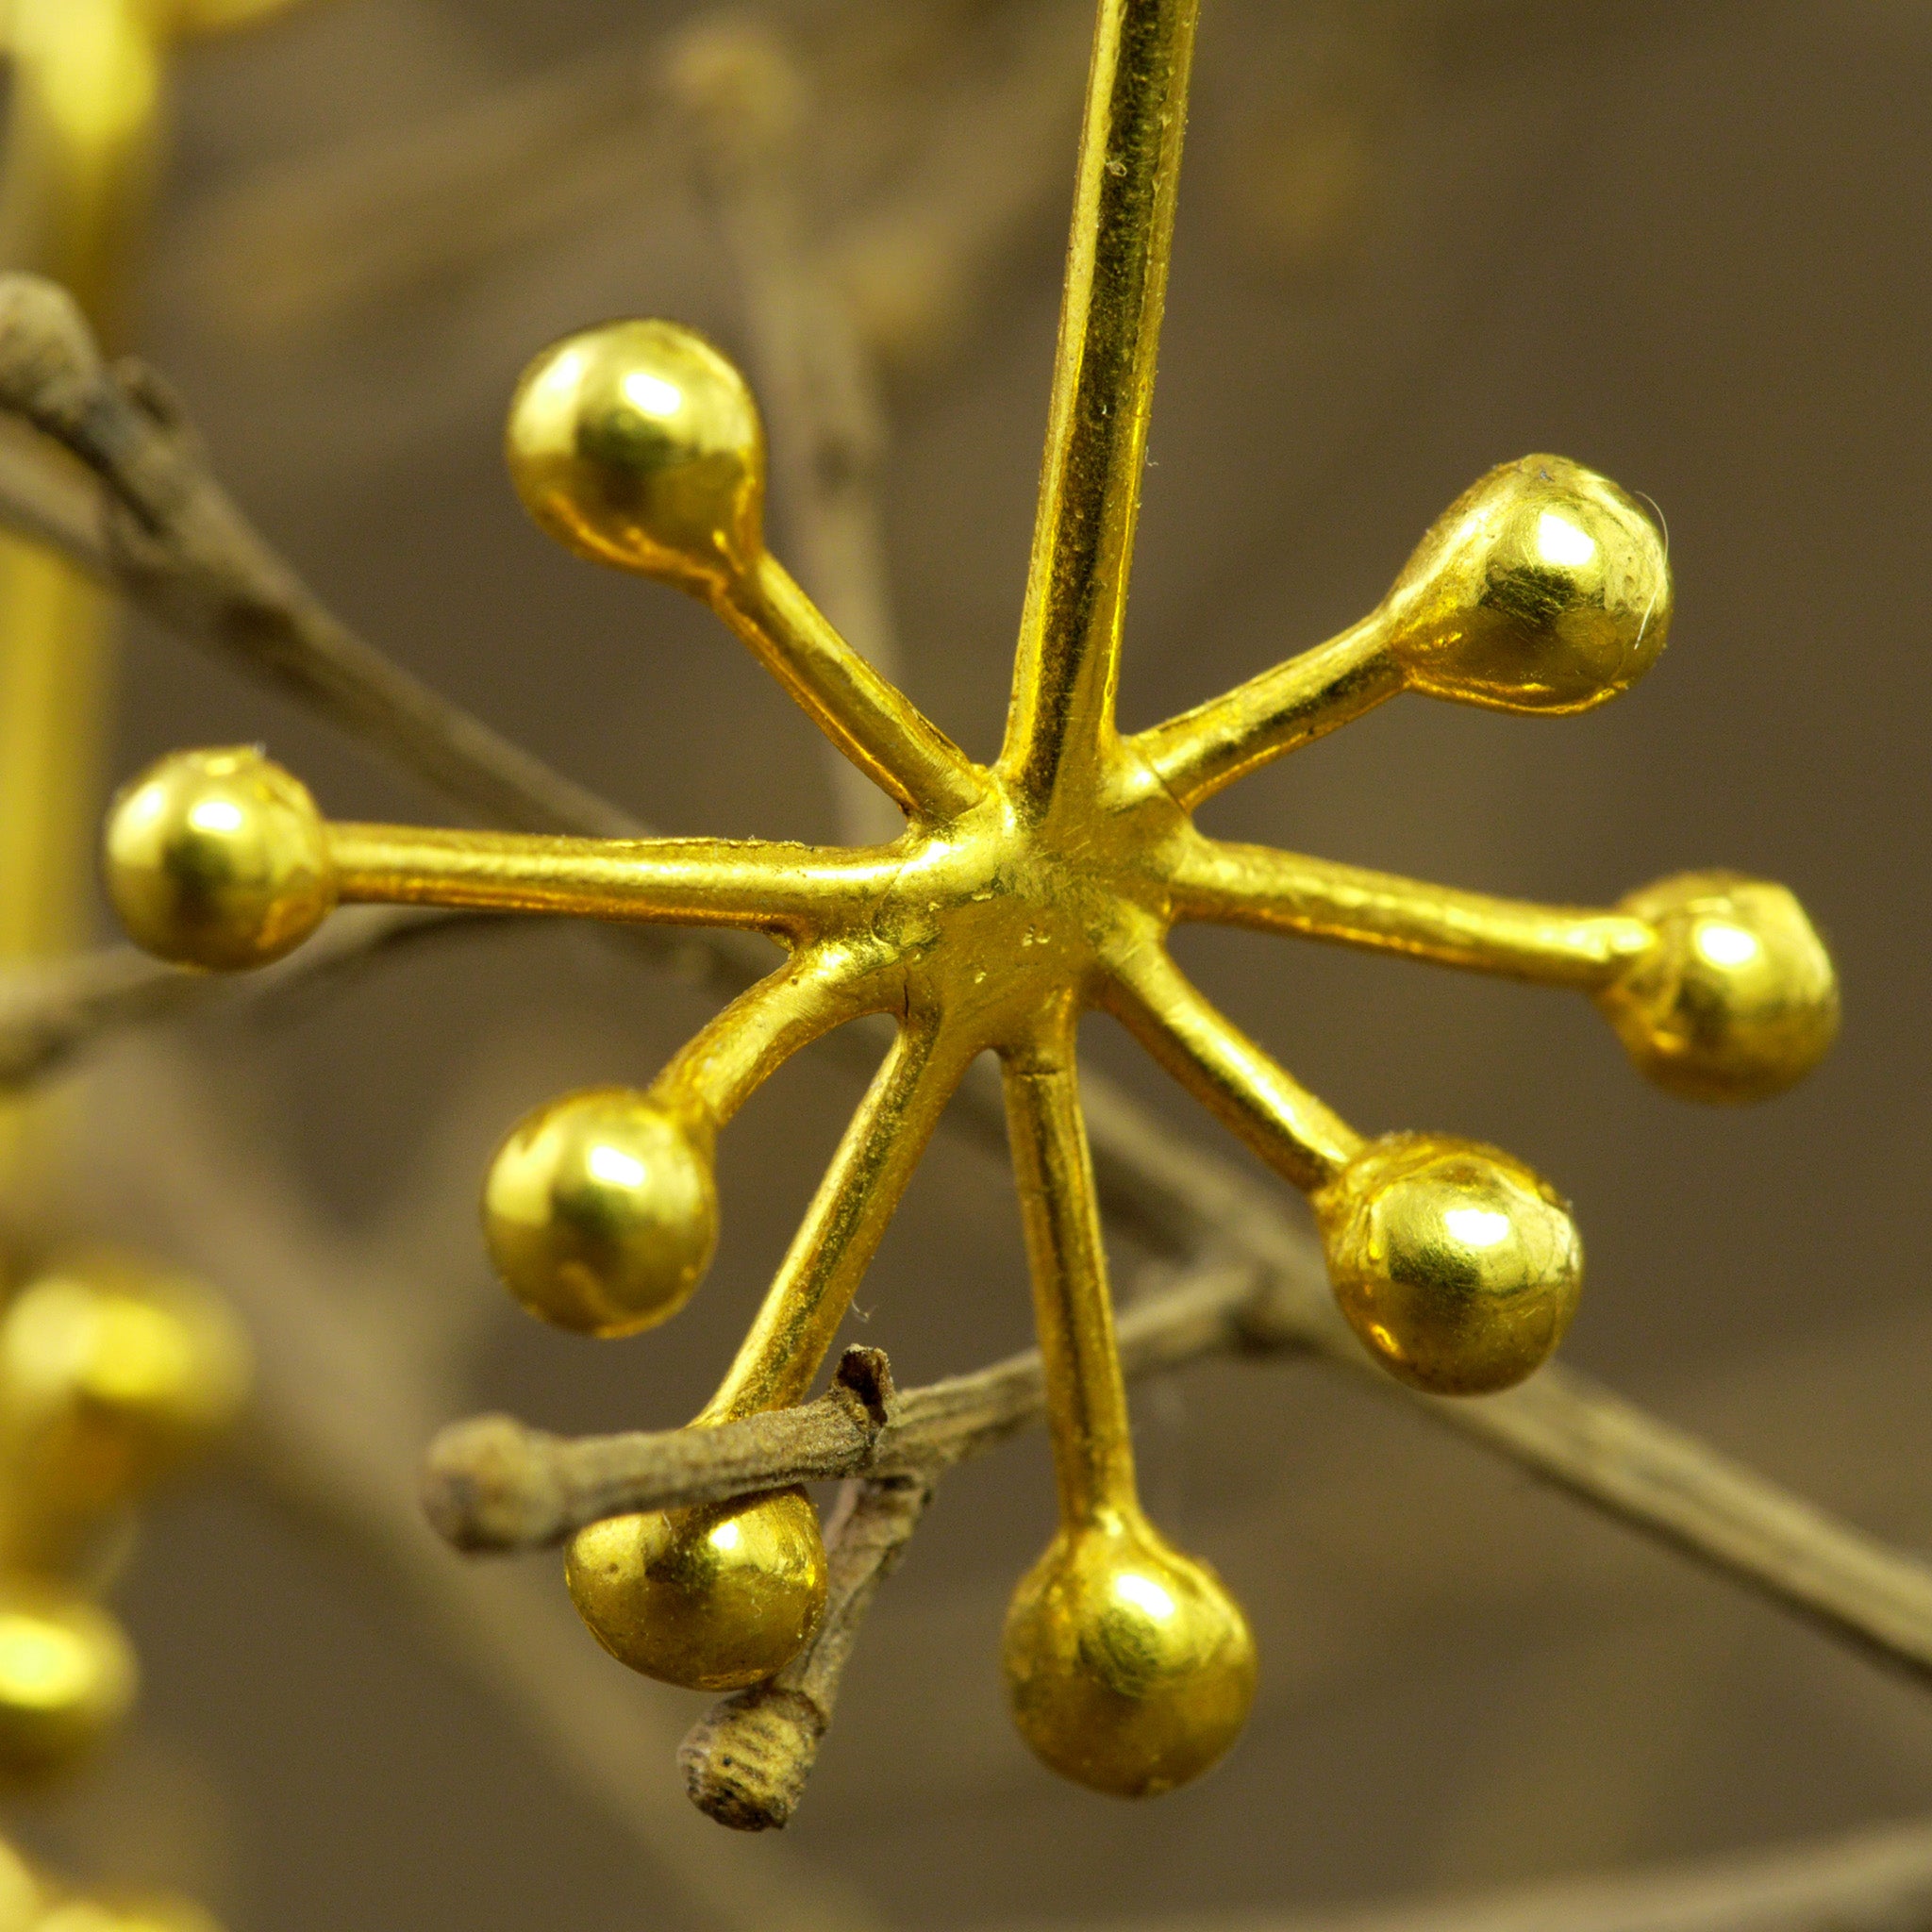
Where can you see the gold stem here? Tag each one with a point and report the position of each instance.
(1304, 1141)
(1068, 666)
(772, 887)
(1072, 1309)
(842, 1228)
(1205, 750)
(83, 133)
(1283, 892)
(870, 720)
(815, 990)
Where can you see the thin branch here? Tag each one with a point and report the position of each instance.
(176, 546)
(742, 97)
(345, 1397)
(1875, 1881)
(494, 1485)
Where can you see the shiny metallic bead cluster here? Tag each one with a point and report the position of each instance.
(1022, 893)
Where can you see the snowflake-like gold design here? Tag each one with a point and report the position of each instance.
(1020, 894)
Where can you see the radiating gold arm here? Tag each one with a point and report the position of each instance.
(1205, 750)
(1068, 665)
(1542, 588)
(1293, 1131)
(777, 887)
(638, 444)
(1060, 1207)
(819, 988)
(843, 1226)
(866, 716)
(1283, 892)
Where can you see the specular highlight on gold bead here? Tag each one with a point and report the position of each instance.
(601, 1211)
(1737, 1000)
(1458, 1266)
(712, 1598)
(217, 858)
(1130, 1668)
(638, 444)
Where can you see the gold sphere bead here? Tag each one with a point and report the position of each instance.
(1737, 1000)
(218, 858)
(67, 1677)
(601, 1211)
(1129, 1667)
(111, 1374)
(1458, 1266)
(1543, 588)
(712, 1598)
(639, 444)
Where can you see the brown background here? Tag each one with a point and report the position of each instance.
(1683, 243)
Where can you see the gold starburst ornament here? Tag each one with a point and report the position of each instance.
(1020, 894)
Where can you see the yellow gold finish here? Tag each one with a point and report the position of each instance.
(714, 1598)
(111, 1375)
(218, 858)
(601, 1211)
(1019, 896)
(1737, 1000)
(1458, 1266)
(67, 1677)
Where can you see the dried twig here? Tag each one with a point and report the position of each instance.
(176, 544)
(1876, 1881)
(495, 1485)
(347, 1395)
(742, 98)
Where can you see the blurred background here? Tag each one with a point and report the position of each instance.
(1681, 240)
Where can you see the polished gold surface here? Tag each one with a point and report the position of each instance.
(218, 858)
(1019, 896)
(601, 1211)
(1458, 1266)
(714, 1598)
(67, 1676)
(1129, 1667)
(1736, 1001)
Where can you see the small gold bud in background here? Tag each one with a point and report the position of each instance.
(67, 1677)
(111, 1374)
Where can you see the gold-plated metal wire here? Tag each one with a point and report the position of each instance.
(1019, 896)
